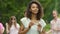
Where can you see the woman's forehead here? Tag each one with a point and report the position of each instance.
(54, 11)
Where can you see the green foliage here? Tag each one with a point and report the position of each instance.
(17, 7)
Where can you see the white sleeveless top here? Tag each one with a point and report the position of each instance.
(14, 30)
(33, 29)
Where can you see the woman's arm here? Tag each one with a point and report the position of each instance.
(43, 32)
(7, 31)
(56, 29)
(49, 31)
(24, 30)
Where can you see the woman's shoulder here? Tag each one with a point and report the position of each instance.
(41, 19)
(17, 25)
(42, 22)
(24, 18)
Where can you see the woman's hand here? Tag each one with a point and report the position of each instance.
(39, 27)
(31, 24)
(47, 32)
(55, 29)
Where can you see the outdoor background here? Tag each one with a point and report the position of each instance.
(17, 8)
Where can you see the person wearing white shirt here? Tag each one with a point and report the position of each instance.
(32, 23)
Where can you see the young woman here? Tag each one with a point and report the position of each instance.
(12, 26)
(1, 28)
(32, 23)
(55, 23)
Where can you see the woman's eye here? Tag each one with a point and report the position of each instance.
(33, 7)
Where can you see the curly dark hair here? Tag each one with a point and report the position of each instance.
(40, 11)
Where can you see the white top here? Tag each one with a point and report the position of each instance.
(55, 24)
(33, 29)
(14, 30)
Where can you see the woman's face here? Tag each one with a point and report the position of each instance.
(34, 8)
(54, 13)
(13, 20)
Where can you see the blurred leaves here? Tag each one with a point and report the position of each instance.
(17, 8)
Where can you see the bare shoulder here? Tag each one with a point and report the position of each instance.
(24, 18)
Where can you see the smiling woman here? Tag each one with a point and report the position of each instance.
(33, 23)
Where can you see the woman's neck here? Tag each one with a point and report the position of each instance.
(55, 18)
(33, 17)
(12, 23)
